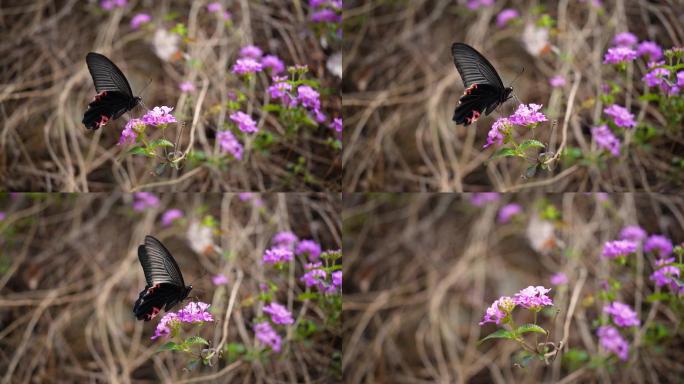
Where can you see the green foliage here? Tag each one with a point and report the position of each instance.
(575, 358)
(499, 334)
(233, 351)
(180, 29)
(525, 328)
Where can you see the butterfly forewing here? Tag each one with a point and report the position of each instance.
(158, 264)
(106, 75)
(473, 67)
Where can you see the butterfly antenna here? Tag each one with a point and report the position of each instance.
(516, 77)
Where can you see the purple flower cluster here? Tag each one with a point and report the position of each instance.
(606, 140)
(498, 311)
(498, 132)
(316, 276)
(251, 51)
(246, 66)
(170, 216)
(279, 314)
(533, 298)
(505, 16)
(277, 255)
(481, 198)
(557, 81)
(229, 143)
(140, 18)
(527, 114)
(559, 278)
(158, 116)
(618, 55)
(621, 116)
(130, 131)
(507, 212)
(309, 248)
(611, 340)
(475, 4)
(618, 248)
(337, 124)
(266, 335)
(623, 315)
(309, 98)
(244, 122)
(111, 4)
(219, 279)
(285, 240)
(192, 313)
(186, 86)
(144, 200)
(650, 49)
(625, 39)
(660, 77)
(632, 233)
(326, 11)
(667, 275)
(658, 244)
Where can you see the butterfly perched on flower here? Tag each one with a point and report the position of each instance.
(484, 90)
(114, 96)
(165, 285)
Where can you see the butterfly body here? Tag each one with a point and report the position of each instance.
(114, 97)
(165, 286)
(484, 89)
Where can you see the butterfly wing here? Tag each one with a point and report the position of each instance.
(155, 297)
(158, 264)
(106, 75)
(476, 99)
(108, 105)
(473, 67)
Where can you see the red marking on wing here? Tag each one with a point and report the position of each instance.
(469, 89)
(153, 314)
(476, 115)
(103, 120)
(100, 95)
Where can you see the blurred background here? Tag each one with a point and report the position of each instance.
(177, 54)
(69, 275)
(401, 87)
(422, 268)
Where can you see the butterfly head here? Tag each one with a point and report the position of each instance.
(507, 94)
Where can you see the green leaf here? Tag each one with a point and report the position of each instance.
(531, 144)
(573, 359)
(196, 340)
(504, 152)
(649, 97)
(160, 143)
(138, 150)
(659, 296)
(500, 334)
(307, 296)
(529, 328)
(272, 108)
(170, 346)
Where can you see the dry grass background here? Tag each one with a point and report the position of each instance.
(422, 268)
(70, 276)
(400, 88)
(46, 88)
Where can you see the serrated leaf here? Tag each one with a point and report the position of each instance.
(531, 144)
(529, 328)
(500, 334)
(196, 340)
(504, 152)
(170, 346)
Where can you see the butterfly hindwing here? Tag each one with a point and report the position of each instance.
(165, 285)
(477, 99)
(108, 105)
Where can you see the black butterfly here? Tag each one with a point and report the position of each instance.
(114, 95)
(484, 90)
(165, 286)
